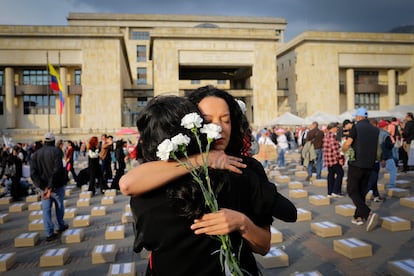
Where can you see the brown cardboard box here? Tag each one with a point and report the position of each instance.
(276, 235)
(5, 217)
(394, 224)
(307, 273)
(303, 215)
(295, 185)
(86, 194)
(346, 210)
(401, 267)
(402, 183)
(26, 239)
(73, 235)
(116, 232)
(386, 176)
(127, 217)
(83, 202)
(407, 201)
(326, 229)
(319, 200)
(123, 269)
(17, 207)
(85, 188)
(275, 258)
(60, 272)
(110, 192)
(35, 206)
(298, 193)
(5, 200)
(82, 221)
(32, 198)
(320, 183)
(352, 248)
(68, 191)
(7, 260)
(128, 208)
(282, 179)
(104, 253)
(54, 257)
(398, 192)
(70, 213)
(98, 211)
(35, 215)
(381, 187)
(108, 200)
(301, 175)
(36, 225)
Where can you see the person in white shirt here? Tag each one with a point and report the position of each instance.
(265, 140)
(282, 146)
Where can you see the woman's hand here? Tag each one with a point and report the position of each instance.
(218, 159)
(219, 223)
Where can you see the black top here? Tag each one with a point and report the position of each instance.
(408, 133)
(365, 142)
(176, 250)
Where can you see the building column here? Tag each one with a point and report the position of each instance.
(66, 109)
(350, 89)
(391, 89)
(10, 109)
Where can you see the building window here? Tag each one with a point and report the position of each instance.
(1, 77)
(78, 109)
(1, 105)
(141, 53)
(195, 81)
(39, 104)
(139, 35)
(35, 77)
(141, 75)
(78, 73)
(368, 100)
(221, 81)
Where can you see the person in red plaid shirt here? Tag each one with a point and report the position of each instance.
(334, 160)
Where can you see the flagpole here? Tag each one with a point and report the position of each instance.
(48, 92)
(60, 104)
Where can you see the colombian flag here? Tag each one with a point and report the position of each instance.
(55, 85)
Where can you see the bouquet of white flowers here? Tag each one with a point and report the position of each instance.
(350, 153)
(168, 148)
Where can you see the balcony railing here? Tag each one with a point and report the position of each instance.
(382, 88)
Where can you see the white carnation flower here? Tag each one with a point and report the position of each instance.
(191, 120)
(180, 139)
(164, 149)
(213, 131)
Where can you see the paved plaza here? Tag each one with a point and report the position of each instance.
(304, 248)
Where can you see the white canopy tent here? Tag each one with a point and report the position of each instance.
(322, 118)
(288, 119)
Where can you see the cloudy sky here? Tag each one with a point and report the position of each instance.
(301, 15)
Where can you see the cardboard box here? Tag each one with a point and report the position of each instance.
(298, 193)
(5, 217)
(407, 202)
(346, 210)
(68, 191)
(124, 269)
(32, 198)
(319, 200)
(394, 224)
(326, 229)
(386, 176)
(17, 207)
(398, 192)
(402, 183)
(127, 217)
(70, 213)
(381, 187)
(104, 253)
(320, 183)
(128, 208)
(303, 215)
(282, 179)
(110, 192)
(301, 175)
(84, 188)
(7, 260)
(115, 232)
(295, 185)
(35, 206)
(307, 273)
(83, 202)
(108, 200)
(5, 200)
(275, 258)
(73, 236)
(54, 257)
(352, 248)
(35, 215)
(60, 272)
(26, 239)
(98, 211)
(85, 194)
(81, 221)
(36, 225)
(401, 267)
(276, 235)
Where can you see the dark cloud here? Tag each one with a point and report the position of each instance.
(301, 15)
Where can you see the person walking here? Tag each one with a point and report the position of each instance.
(94, 168)
(408, 136)
(69, 159)
(282, 147)
(48, 174)
(387, 160)
(363, 138)
(315, 136)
